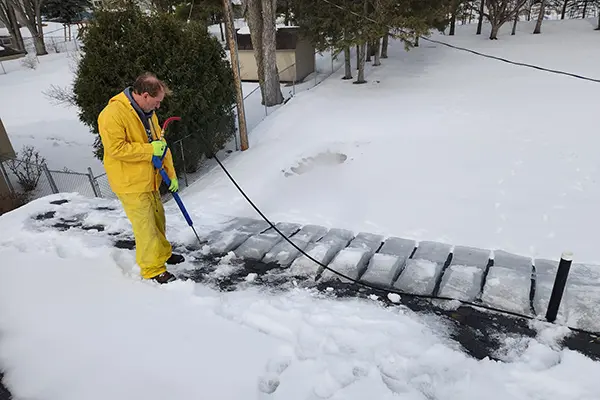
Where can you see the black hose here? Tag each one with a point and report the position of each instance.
(366, 284)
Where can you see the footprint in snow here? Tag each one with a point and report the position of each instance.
(338, 377)
(309, 163)
(269, 381)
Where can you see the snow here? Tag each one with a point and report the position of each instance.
(245, 30)
(71, 297)
(488, 158)
(493, 163)
(30, 118)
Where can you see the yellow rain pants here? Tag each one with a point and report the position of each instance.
(147, 216)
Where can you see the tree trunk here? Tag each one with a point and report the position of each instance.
(564, 9)
(255, 22)
(287, 21)
(453, 18)
(221, 29)
(538, 25)
(261, 22)
(502, 11)
(384, 45)
(357, 57)
(585, 4)
(598, 27)
(40, 46)
(480, 23)
(347, 63)
(8, 16)
(361, 64)
(370, 51)
(494, 32)
(416, 41)
(272, 85)
(376, 61)
(30, 13)
(515, 22)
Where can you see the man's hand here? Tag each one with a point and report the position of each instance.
(159, 147)
(174, 185)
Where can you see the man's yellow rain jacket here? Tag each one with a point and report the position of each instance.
(127, 151)
(135, 181)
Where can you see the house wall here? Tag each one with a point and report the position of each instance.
(285, 58)
(6, 151)
(305, 59)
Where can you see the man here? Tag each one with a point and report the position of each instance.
(129, 130)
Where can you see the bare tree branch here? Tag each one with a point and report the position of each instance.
(30, 12)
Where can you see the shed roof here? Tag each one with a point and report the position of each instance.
(286, 38)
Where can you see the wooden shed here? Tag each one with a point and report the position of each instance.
(295, 55)
(8, 53)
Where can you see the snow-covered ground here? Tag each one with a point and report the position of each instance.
(31, 118)
(438, 145)
(76, 322)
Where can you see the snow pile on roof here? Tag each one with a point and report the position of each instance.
(72, 297)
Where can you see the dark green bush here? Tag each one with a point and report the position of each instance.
(120, 45)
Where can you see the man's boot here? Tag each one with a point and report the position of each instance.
(165, 277)
(175, 259)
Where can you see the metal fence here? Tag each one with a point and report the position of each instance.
(20, 174)
(37, 180)
(326, 64)
(54, 43)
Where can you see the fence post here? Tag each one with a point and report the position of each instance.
(332, 57)
(266, 109)
(50, 179)
(6, 178)
(93, 183)
(183, 159)
(559, 286)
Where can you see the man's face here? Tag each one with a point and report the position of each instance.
(152, 103)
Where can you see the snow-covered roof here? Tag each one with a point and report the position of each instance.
(246, 31)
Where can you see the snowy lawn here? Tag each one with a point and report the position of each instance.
(76, 323)
(31, 118)
(438, 145)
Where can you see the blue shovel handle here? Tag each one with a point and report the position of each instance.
(157, 162)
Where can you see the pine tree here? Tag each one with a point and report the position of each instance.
(65, 11)
(120, 45)
(349, 23)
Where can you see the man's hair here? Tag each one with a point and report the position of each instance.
(148, 82)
